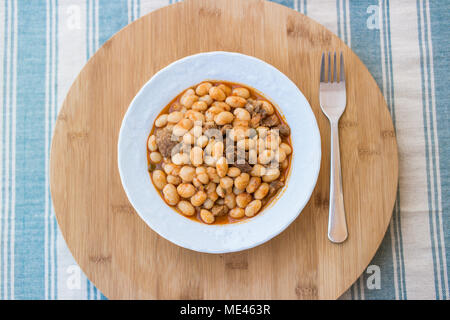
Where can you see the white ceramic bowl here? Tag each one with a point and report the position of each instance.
(158, 92)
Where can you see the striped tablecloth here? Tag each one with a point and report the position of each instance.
(405, 45)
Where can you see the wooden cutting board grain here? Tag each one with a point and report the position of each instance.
(125, 258)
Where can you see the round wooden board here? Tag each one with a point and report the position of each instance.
(125, 258)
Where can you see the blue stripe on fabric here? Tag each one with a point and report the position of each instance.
(434, 160)
(88, 17)
(55, 113)
(107, 25)
(138, 9)
(50, 102)
(344, 9)
(94, 292)
(10, 200)
(383, 259)
(6, 191)
(338, 16)
(354, 290)
(30, 156)
(366, 44)
(3, 169)
(287, 3)
(397, 216)
(420, 26)
(52, 47)
(432, 173)
(396, 219)
(365, 41)
(389, 99)
(440, 35)
(438, 258)
(49, 81)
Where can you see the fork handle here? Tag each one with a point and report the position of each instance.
(337, 225)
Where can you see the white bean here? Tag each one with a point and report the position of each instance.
(198, 198)
(208, 204)
(207, 98)
(230, 200)
(187, 173)
(199, 106)
(253, 185)
(196, 156)
(207, 216)
(217, 94)
(152, 143)
(175, 117)
(241, 114)
(262, 191)
(233, 172)
(242, 181)
(226, 182)
(236, 101)
(243, 199)
(287, 149)
(203, 88)
(161, 121)
(186, 208)
(223, 118)
(170, 194)
(159, 179)
(271, 175)
(222, 167)
(155, 157)
(253, 208)
(226, 89)
(202, 141)
(241, 92)
(188, 101)
(237, 213)
(173, 180)
(186, 190)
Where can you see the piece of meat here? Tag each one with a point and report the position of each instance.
(271, 121)
(240, 156)
(277, 184)
(230, 153)
(250, 107)
(262, 112)
(255, 107)
(284, 130)
(175, 107)
(210, 125)
(255, 120)
(225, 128)
(164, 142)
(219, 210)
(259, 108)
(274, 187)
(211, 129)
(245, 167)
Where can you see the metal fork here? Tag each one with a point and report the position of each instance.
(333, 101)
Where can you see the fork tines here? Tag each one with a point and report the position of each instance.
(341, 68)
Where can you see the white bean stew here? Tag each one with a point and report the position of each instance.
(219, 152)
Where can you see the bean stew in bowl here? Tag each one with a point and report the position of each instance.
(219, 152)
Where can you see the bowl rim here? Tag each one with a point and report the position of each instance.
(308, 193)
